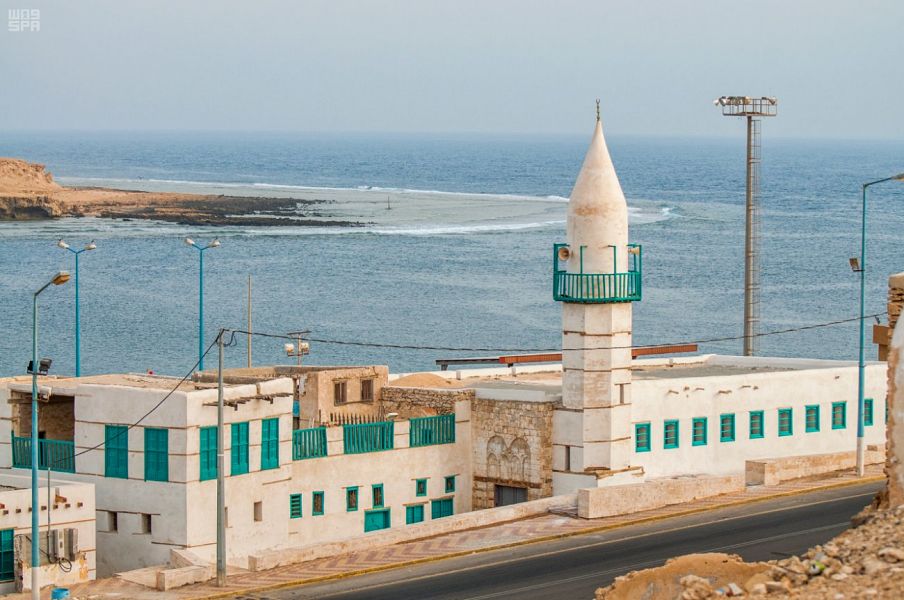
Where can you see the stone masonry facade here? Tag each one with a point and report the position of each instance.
(512, 445)
(894, 466)
(421, 402)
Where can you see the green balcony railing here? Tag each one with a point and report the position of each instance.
(59, 455)
(427, 431)
(598, 288)
(368, 437)
(308, 443)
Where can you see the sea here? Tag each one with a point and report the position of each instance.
(453, 254)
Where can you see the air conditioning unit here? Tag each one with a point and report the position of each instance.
(71, 543)
(57, 549)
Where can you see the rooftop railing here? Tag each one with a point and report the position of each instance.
(428, 431)
(368, 437)
(308, 443)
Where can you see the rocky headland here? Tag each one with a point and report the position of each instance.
(28, 192)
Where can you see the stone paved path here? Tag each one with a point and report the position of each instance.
(486, 538)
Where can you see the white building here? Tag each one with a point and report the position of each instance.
(67, 529)
(155, 481)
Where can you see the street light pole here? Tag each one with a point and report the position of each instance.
(58, 279)
(78, 351)
(861, 467)
(214, 244)
(221, 472)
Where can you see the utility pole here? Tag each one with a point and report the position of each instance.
(753, 109)
(221, 472)
(249, 320)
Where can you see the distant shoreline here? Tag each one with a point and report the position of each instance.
(29, 193)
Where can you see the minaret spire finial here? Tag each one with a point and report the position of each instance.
(597, 109)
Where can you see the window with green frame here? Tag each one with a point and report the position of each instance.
(116, 451)
(642, 437)
(698, 431)
(208, 453)
(351, 499)
(441, 508)
(317, 503)
(420, 487)
(7, 554)
(269, 443)
(868, 412)
(811, 418)
(376, 495)
(156, 454)
(670, 435)
(785, 422)
(239, 454)
(727, 428)
(295, 511)
(757, 428)
(450, 484)
(414, 514)
(839, 415)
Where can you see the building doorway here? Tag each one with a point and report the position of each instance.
(507, 494)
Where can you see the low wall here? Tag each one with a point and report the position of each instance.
(460, 522)
(411, 402)
(594, 503)
(772, 471)
(894, 466)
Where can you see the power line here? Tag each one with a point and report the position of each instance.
(461, 349)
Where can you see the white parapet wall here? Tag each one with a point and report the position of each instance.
(71, 507)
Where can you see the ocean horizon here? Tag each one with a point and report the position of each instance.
(462, 256)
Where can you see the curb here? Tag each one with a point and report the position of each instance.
(548, 538)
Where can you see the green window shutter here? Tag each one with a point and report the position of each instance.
(116, 451)
(270, 443)
(642, 437)
(811, 418)
(757, 428)
(414, 514)
(376, 519)
(295, 511)
(7, 555)
(785, 422)
(441, 508)
(698, 433)
(868, 412)
(239, 454)
(420, 487)
(156, 454)
(351, 499)
(450, 484)
(208, 453)
(839, 415)
(727, 428)
(670, 435)
(317, 503)
(376, 491)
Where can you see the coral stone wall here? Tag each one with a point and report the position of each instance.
(512, 445)
(411, 402)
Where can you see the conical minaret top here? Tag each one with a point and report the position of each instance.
(597, 213)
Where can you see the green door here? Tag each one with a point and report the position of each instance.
(376, 519)
(441, 508)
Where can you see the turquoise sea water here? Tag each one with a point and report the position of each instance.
(463, 258)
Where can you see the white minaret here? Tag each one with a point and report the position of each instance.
(597, 277)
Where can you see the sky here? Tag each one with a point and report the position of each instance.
(440, 66)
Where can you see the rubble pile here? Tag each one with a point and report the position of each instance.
(866, 561)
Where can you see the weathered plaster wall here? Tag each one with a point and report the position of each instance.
(76, 511)
(421, 402)
(658, 400)
(512, 447)
(317, 404)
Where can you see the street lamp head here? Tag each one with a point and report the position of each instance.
(899, 177)
(214, 244)
(63, 245)
(91, 246)
(189, 242)
(60, 278)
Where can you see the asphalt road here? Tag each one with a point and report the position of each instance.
(574, 567)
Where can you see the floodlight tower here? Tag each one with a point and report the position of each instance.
(754, 109)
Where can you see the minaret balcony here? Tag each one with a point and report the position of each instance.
(596, 288)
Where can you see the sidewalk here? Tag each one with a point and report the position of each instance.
(510, 534)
